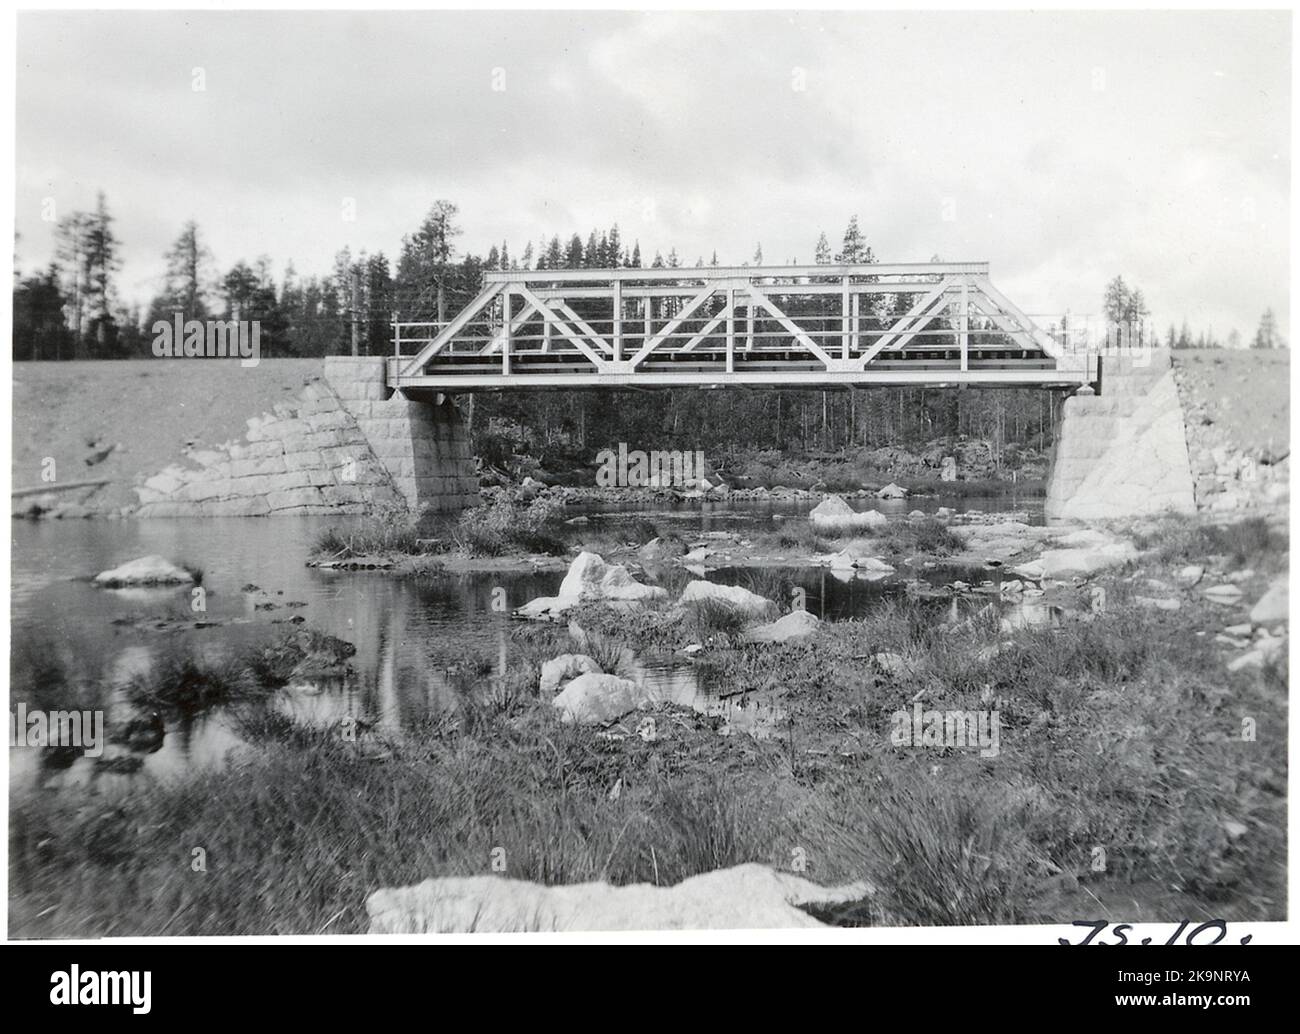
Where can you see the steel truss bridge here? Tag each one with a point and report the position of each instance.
(824, 326)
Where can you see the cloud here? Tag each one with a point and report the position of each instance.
(1064, 148)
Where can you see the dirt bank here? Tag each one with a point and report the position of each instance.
(147, 412)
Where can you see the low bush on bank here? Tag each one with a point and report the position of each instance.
(387, 530)
(624, 535)
(1187, 540)
(504, 526)
(183, 683)
(797, 536)
(925, 535)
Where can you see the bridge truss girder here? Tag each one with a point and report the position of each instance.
(829, 325)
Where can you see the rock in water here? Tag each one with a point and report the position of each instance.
(834, 514)
(617, 584)
(747, 603)
(583, 576)
(798, 624)
(594, 699)
(1273, 607)
(561, 669)
(589, 577)
(831, 506)
(892, 491)
(148, 570)
(743, 897)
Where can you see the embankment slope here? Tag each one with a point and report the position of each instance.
(155, 409)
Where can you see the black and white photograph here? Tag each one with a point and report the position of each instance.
(524, 472)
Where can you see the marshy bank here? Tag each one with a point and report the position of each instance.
(432, 745)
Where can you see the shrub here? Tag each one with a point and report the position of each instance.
(389, 528)
(504, 527)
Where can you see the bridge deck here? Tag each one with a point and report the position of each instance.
(810, 326)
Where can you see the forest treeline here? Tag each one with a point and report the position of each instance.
(72, 309)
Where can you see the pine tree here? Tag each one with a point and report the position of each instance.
(554, 254)
(822, 254)
(424, 264)
(854, 248)
(573, 256)
(1267, 335)
(186, 284)
(102, 262)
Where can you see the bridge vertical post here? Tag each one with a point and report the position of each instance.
(844, 317)
(731, 330)
(965, 325)
(618, 320)
(649, 316)
(506, 316)
(857, 323)
(749, 327)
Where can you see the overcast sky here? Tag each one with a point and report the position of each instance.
(1062, 148)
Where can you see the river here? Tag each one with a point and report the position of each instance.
(421, 642)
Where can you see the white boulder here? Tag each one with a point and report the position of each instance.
(1226, 594)
(595, 699)
(798, 624)
(746, 896)
(148, 570)
(747, 603)
(1085, 561)
(589, 577)
(561, 669)
(834, 514)
(890, 663)
(1273, 607)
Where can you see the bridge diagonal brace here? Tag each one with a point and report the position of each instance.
(524, 316)
(582, 325)
(918, 314)
(791, 327)
(452, 329)
(548, 314)
(710, 327)
(708, 292)
(1040, 338)
(1008, 325)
